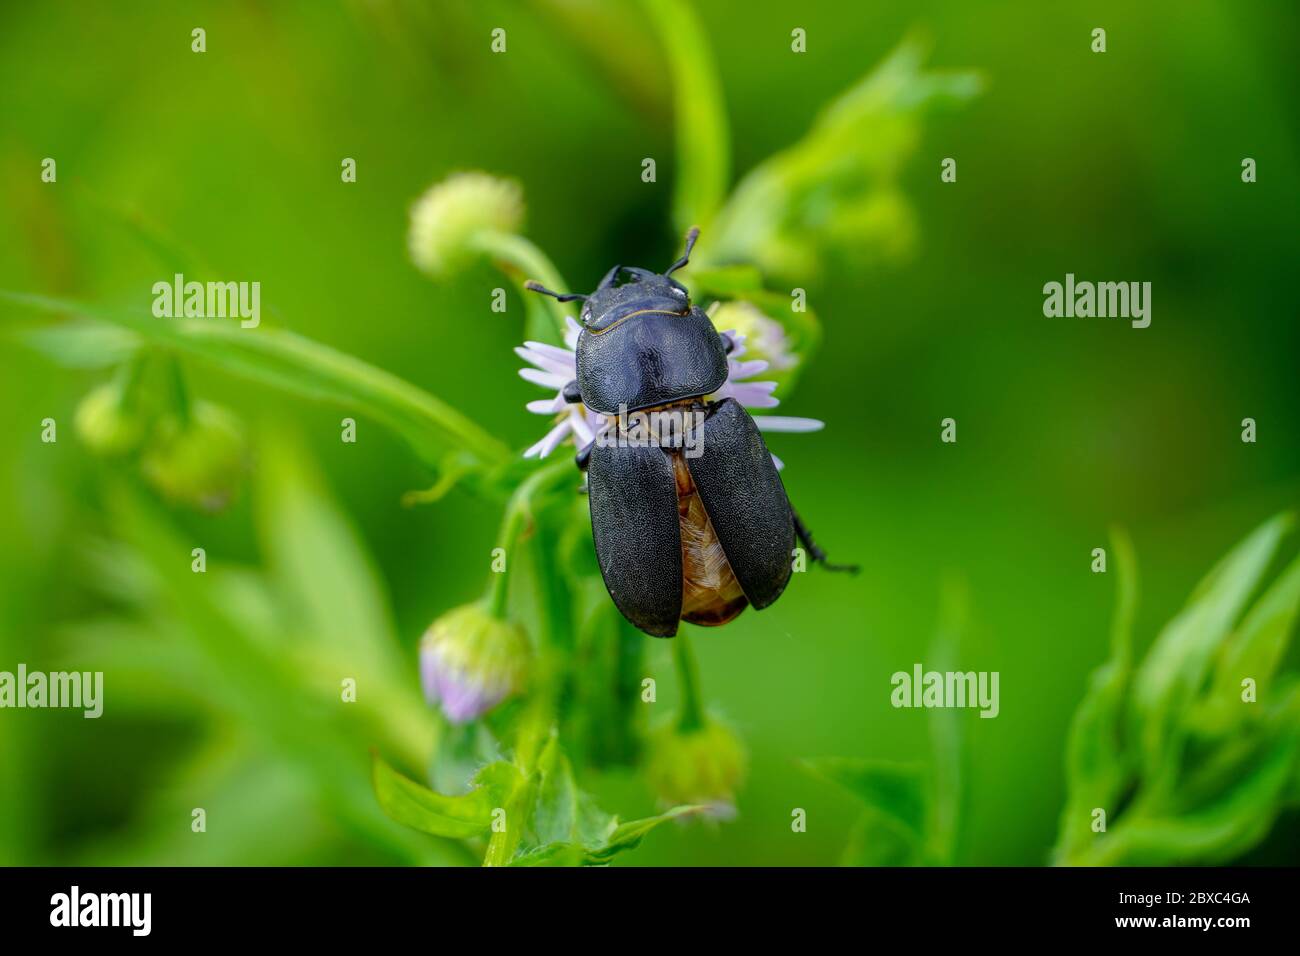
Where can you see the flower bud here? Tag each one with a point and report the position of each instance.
(106, 424)
(445, 219)
(765, 338)
(198, 461)
(470, 661)
(703, 766)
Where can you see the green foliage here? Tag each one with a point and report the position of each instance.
(271, 643)
(458, 817)
(265, 647)
(1193, 752)
(439, 434)
(537, 817)
(835, 194)
(702, 133)
(911, 816)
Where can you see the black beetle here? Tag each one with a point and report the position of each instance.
(678, 537)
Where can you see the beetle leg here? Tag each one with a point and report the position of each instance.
(728, 344)
(571, 393)
(583, 457)
(815, 552)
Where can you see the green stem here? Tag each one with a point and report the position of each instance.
(703, 139)
(296, 364)
(130, 377)
(522, 260)
(688, 675)
(519, 511)
(179, 391)
(498, 591)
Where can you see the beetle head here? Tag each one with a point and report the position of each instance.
(628, 291)
(642, 343)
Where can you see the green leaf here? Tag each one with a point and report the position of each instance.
(299, 365)
(1178, 662)
(562, 812)
(878, 839)
(80, 343)
(836, 192)
(911, 818)
(1255, 650)
(563, 826)
(1218, 830)
(318, 560)
(418, 807)
(702, 134)
(628, 836)
(553, 854)
(1211, 774)
(620, 839)
(248, 679)
(896, 791)
(1098, 768)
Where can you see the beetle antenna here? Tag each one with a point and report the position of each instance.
(691, 235)
(532, 286)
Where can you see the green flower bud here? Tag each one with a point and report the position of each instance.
(470, 661)
(703, 766)
(198, 461)
(764, 337)
(445, 219)
(106, 424)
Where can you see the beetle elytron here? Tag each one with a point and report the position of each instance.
(678, 537)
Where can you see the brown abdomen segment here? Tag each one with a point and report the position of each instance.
(711, 595)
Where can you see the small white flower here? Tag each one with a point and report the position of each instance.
(554, 367)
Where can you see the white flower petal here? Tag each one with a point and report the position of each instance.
(777, 461)
(546, 406)
(785, 423)
(565, 358)
(550, 440)
(754, 399)
(556, 435)
(571, 332)
(581, 428)
(538, 377)
(751, 394)
(546, 363)
(741, 370)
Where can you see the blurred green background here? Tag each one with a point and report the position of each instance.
(1122, 166)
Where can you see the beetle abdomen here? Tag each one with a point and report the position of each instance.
(743, 495)
(711, 595)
